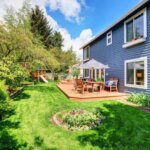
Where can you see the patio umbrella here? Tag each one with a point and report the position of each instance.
(93, 64)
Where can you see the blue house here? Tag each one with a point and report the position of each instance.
(125, 48)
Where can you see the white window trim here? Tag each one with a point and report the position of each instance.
(86, 59)
(108, 38)
(128, 44)
(145, 73)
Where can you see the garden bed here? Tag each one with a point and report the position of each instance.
(78, 120)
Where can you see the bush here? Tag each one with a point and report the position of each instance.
(82, 119)
(3, 100)
(76, 73)
(139, 98)
(12, 73)
(100, 80)
(3, 91)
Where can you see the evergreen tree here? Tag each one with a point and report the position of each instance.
(40, 27)
(57, 40)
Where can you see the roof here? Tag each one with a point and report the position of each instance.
(117, 22)
(93, 64)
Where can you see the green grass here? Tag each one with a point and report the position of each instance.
(29, 126)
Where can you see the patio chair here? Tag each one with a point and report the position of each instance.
(79, 86)
(112, 84)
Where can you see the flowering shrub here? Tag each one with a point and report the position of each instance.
(82, 119)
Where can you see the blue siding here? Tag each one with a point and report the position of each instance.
(114, 55)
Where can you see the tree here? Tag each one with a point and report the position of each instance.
(11, 72)
(57, 40)
(20, 18)
(76, 72)
(18, 40)
(66, 59)
(40, 27)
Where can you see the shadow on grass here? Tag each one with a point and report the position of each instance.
(123, 128)
(8, 141)
(21, 96)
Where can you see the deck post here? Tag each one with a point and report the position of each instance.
(95, 74)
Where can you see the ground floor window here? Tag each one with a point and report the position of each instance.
(86, 73)
(136, 72)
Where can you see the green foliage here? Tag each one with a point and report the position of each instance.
(139, 98)
(11, 72)
(65, 59)
(40, 27)
(57, 40)
(76, 72)
(100, 79)
(20, 18)
(82, 119)
(26, 38)
(4, 106)
(3, 91)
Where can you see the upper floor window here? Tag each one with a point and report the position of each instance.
(109, 38)
(86, 53)
(135, 28)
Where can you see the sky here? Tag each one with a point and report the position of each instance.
(77, 20)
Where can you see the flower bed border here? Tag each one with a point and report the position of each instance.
(59, 122)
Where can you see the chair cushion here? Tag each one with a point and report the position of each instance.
(108, 83)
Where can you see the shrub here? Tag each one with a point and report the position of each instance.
(82, 119)
(3, 99)
(76, 73)
(12, 73)
(3, 91)
(139, 98)
(100, 80)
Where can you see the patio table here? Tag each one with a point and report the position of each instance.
(92, 83)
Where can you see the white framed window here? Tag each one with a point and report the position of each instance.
(136, 73)
(109, 38)
(86, 73)
(135, 29)
(86, 53)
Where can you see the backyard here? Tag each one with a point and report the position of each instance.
(29, 125)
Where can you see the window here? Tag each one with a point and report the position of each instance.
(86, 73)
(86, 53)
(136, 27)
(136, 73)
(109, 38)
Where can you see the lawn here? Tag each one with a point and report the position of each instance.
(29, 126)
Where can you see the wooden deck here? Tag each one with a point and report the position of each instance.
(68, 90)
